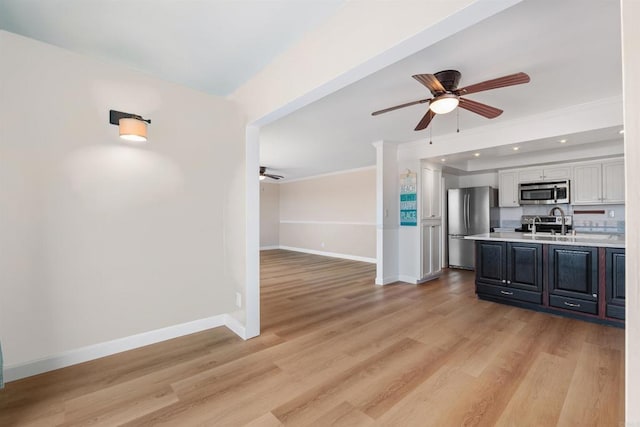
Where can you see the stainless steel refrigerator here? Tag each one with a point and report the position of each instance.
(469, 211)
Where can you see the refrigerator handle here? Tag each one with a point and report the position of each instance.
(467, 201)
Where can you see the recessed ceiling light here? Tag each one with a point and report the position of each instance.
(516, 148)
(443, 160)
(621, 131)
(562, 141)
(476, 154)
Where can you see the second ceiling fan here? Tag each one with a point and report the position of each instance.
(443, 86)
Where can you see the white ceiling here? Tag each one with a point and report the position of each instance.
(570, 48)
(210, 45)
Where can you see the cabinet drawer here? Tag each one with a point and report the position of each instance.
(511, 293)
(574, 304)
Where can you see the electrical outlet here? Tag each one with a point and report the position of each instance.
(612, 213)
(322, 244)
(238, 299)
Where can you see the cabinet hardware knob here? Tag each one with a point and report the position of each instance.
(506, 293)
(595, 295)
(504, 281)
(509, 282)
(571, 305)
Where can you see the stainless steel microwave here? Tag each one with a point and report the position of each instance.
(544, 193)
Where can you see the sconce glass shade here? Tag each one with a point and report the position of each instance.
(444, 104)
(262, 177)
(133, 130)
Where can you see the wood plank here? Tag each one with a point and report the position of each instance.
(541, 394)
(593, 396)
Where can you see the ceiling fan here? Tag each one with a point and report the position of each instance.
(264, 174)
(446, 95)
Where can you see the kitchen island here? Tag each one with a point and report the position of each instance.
(580, 276)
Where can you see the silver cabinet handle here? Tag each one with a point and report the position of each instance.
(506, 293)
(509, 282)
(504, 281)
(571, 305)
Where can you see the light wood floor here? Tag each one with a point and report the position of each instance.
(337, 350)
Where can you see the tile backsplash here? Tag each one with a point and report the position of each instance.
(612, 221)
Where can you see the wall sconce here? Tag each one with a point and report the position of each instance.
(132, 127)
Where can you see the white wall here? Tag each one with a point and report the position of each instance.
(334, 214)
(631, 85)
(101, 239)
(269, 215)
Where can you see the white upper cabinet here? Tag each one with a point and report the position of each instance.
(592, 183)
(597, 183)
(431, 193)
(586, 188)
(508, 189)
(613, 181)
(545, 174)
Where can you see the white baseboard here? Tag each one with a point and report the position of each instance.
(386, 280)
(235, 326)
(96, 351)
(330, 254)
(415, 280)
(429, 277)
(269, 248)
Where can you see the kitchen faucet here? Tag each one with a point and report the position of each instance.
(533, 227)
(563, 229)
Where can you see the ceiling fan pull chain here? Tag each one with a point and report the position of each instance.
(458, 120)
(430, 135)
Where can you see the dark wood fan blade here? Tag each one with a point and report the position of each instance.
(431, 82)
(273, 176)
(426, 119)
(386, 110)
(510, 80)
(479, 108)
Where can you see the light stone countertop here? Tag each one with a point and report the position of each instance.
(581, 239)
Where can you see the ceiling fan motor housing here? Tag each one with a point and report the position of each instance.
(449, 79)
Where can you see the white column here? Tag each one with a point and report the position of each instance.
(409, 241)
(631, 95)
(387, 213)
(252, 291)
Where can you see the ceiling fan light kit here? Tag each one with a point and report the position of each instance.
(443, 86)
(444, 103)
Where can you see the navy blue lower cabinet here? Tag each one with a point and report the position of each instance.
(509, 270)
(573, 276)
(562, 279)
(615, 286)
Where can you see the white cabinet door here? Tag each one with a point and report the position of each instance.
(613, 181)
(436, 194)
(431, 249)
(508, 189)
(557, 173)
(530, 175)
(546, 174)
(436, 249)
(431, 193)
(586, 188)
